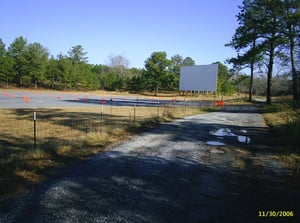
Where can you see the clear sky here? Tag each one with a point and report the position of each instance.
(133, 28)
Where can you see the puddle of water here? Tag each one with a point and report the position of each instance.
(215, 143)
(244, 139)
(224, 132)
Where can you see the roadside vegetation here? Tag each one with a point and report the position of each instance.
(283, 118)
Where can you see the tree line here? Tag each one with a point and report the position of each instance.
(267, 36)
(268, 33)
(26, 64)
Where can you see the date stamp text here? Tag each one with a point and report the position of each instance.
(275, 213)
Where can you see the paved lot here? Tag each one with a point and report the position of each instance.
(171, 174)
(52, 99)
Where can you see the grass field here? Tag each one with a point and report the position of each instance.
(66, 136)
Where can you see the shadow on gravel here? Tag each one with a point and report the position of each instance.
(122, 187)
(182, 185)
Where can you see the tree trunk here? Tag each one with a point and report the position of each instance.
(19, 78)
(251, 81)
(298, 80)
(294, 72)
(269, 75)
(156, 90)
(251, 73)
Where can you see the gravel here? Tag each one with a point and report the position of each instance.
(170, 174)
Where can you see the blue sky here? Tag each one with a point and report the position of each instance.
(132, 28)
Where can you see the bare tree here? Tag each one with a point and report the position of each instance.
(119, 64)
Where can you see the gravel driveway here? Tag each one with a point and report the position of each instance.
(215, 167)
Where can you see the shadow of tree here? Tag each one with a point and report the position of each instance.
(124, 187)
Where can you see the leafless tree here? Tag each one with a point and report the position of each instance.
(119, 64)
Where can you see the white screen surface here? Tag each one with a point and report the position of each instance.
(198, 78)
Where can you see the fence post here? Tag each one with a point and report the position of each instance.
(134, 108)
(101, 118)
(34, 130)
(157, 109)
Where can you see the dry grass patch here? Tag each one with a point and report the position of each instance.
(291, 161)
(283, 117)
(66, 136)
(239, 163)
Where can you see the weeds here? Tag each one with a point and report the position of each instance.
(284, 120)
(283, 117)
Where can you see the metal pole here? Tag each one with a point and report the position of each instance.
(101, 118)
(134, 113)
(34, 130)
(157, 108)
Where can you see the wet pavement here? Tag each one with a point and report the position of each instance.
(172, 174)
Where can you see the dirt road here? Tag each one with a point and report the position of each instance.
(216, 167)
